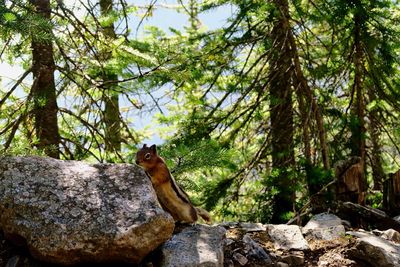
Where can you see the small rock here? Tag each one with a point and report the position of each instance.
(194, 246)
(334, 258)
(229, 225)
(229, 263)
(14, 261)
(246, 226)
(287, 237)
(391, 235)
(295, 258)
(346, 224)
(252, 227)
(377, 232)
(282, 264)
(242, 260)
(324, 226)
(229, 241)
(255, 251)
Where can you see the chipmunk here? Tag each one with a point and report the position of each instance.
(171, 197)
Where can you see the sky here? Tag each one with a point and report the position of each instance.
(163, 17)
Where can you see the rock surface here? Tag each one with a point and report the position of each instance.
(287, 237)
(246, 226)
(69, 212)
(391, 235)
(324, 226)
(196, 246)
(254, 250)
(375, 250)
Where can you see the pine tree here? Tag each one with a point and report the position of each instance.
(43, 89)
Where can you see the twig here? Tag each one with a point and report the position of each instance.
(302, 210)
(20, 80)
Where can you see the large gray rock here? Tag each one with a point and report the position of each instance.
(324, 226)
(375, 250)
(287, 237)
(69, 212)
(195, 246)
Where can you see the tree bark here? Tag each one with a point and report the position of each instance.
(361, 216)
(111, 98)
(304, 90)
(43, 89)
(358, 110)
(391, 193)
(349, 183)
(378, 175)
(282, 114)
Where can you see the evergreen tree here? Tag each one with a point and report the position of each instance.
(43, 88)
(112, 122)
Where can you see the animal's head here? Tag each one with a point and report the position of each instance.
(146, 157)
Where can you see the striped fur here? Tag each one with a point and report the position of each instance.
(171, 197)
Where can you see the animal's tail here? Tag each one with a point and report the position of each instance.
(204, 214)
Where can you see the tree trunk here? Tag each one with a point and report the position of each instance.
(375, 154)
(43, 89)
(282, 114)
(349, 183)
(358, 123)
(391, 194)
(111, 98)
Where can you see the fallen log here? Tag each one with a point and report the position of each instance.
(366, 217)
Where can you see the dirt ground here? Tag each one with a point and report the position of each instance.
(321, 254)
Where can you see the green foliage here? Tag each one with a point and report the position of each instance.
(208, 93)
(375, 200)
(19, 19)
(189, 157)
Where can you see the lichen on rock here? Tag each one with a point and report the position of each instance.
(69, 212)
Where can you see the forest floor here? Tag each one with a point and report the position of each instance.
(321, 253)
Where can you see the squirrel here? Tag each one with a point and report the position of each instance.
(171, 197)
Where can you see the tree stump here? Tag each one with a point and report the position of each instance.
(391, 193)
(350, 182)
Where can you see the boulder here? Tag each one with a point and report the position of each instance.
(69, 212)
(194, 246)
(375, 250)
(287, 237)
(324, 226)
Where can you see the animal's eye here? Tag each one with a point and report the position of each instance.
(147, 156)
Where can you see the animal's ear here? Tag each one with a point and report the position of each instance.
(154, 149)
(144, 146)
